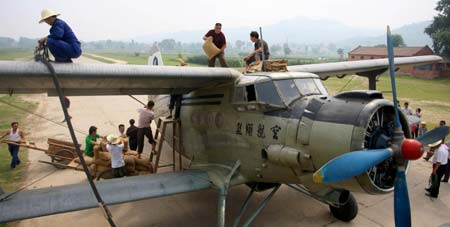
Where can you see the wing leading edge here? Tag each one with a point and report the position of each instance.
(61, 199)
(341, 69)
(104, 79)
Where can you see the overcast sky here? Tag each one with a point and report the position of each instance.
(120, 19)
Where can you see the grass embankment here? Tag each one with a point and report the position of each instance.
(14, 54)
(432, 96)
(10, 179)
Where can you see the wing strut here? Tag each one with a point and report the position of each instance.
(56, 82)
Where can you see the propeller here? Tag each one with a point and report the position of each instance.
(402, 149)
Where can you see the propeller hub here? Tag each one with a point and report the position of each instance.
(412, 149)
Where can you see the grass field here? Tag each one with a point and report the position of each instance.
(10, 179)
(14, 54)
(432, 96)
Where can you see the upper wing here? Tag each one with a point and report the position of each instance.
(341, 69)
(46, 201)
(105, 79)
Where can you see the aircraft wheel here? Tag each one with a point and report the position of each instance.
(348, 208)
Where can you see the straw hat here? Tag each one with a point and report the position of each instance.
(423, 123)
(435, 143)
(113, 139)
(46, 13)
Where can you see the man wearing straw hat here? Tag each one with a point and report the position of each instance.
(62, 42)
(115, 147)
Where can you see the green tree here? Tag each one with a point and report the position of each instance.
(397, 41)
(439, 30)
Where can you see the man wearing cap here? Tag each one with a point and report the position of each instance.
(115, 147)
(440, 160)
(62, 42)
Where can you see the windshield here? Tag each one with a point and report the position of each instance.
(288, 90)
(267, 93)
(307, 87)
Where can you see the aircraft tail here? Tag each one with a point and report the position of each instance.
(155, 57)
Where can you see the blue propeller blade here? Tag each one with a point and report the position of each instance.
(349, 165)
(401, 201)
(390, 49)
(434, 135)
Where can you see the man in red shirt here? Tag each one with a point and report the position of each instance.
(220, 42)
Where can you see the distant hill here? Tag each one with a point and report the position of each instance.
(303, 30)
(413, 35)
(296, 30)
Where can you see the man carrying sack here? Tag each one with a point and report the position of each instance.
(215, 44)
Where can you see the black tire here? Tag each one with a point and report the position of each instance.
(348, 209)
(63, 161)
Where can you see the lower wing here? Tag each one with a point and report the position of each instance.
(61, 199)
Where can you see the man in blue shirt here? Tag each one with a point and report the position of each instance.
(62, 42)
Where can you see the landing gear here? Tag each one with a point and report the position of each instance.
(348, 208)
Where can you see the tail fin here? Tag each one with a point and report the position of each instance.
(155, 57)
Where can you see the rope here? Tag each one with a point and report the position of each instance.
(348, 82)
(44, 60)
(27, 185)
(40, 116)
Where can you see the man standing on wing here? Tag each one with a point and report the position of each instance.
(219, 40)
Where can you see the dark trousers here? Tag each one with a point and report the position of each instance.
(119, 172)
(436, 180)
(221, 56)
(140, 142)
(133, 144)
(175, 103)
(447, 172)
(14, 151)
(63, 51)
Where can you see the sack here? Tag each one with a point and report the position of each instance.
(102, 162)
(210, 49)
(133, 153)
(143, 167)
(129, 161)
(125, 144)
(101, 168)
(105, 156)
(87, 159)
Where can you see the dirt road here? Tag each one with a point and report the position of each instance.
(287, 208)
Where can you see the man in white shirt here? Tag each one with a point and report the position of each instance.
(115, 147)
(407, 110)
(15, 136)
(440, 160)
(145, 119)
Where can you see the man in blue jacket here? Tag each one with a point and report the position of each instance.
(62, 42)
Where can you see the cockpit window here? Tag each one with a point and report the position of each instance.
(267, 93)
(288, 90)
(307, 86)
(319, 85)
